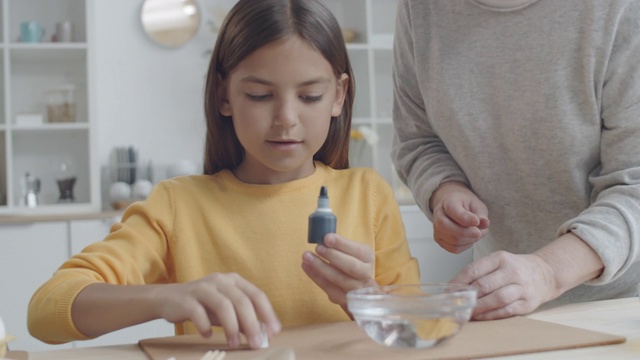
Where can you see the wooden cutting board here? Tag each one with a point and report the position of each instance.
(17, 355)
(481, 339)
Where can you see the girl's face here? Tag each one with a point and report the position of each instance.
(281, 99)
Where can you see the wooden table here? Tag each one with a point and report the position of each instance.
(620, 317)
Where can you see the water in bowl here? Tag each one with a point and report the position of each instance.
(408, 332)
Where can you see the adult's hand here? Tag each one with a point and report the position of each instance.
(460, 218)
(510, 284)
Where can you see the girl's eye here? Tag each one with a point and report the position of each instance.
(311, 99)
(258, 97)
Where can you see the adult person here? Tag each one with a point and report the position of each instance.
(518, 132)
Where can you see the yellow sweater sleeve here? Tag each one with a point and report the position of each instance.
(394, 263)
(135, 252)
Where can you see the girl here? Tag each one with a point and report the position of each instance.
(224, 249)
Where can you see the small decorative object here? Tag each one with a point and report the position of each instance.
(64, 32)
(141, 189)
(120, 195)
(29, 119)
(61, 106)
(31, 190)
(349, 35)
(66, 189)
(4, 339)
(66, 179)
(361, 138)
(31, 32)
(170, 23)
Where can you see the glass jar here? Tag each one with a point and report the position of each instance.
(61, 105)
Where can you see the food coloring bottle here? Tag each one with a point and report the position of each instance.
(322, 221)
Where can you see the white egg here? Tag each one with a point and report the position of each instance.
(141, 189)
(119, 191)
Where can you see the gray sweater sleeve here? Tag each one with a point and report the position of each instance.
(611, 224)
(418, 154)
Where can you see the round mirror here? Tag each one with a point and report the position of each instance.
(170, 23)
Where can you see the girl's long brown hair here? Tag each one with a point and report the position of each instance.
(251, 24)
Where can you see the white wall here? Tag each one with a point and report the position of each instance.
(148, 96)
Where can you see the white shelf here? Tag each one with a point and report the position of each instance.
(47, 53)
(29, 70)
(51, 127)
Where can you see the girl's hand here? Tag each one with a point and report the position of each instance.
(226, 300)
(338, 266)
(460, 218)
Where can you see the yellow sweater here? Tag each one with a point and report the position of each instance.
(196, 225)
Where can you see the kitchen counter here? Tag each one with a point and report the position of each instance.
(406, 204)
(619, 317)
(25, 219)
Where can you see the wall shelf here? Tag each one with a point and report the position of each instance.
(29, 71)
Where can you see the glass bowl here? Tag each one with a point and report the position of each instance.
(412, 316)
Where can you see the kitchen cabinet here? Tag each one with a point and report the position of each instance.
(34, 138)
(29, 254)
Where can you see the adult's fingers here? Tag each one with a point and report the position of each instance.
(442, 222)
(477, 269)
(460, 215)
(497, 299)
(452, 248)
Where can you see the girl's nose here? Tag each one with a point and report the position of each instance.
(286, 114)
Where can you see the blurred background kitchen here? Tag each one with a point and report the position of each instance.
(99, 100)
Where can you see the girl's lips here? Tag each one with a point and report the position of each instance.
(284, 145)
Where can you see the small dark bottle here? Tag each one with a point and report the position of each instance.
(322, 221)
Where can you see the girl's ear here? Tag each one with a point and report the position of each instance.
(341, 93)
(222, 98)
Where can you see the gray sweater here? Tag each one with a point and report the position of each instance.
(537, 109)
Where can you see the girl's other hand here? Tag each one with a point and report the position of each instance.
(340, 265)
(226, 300)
